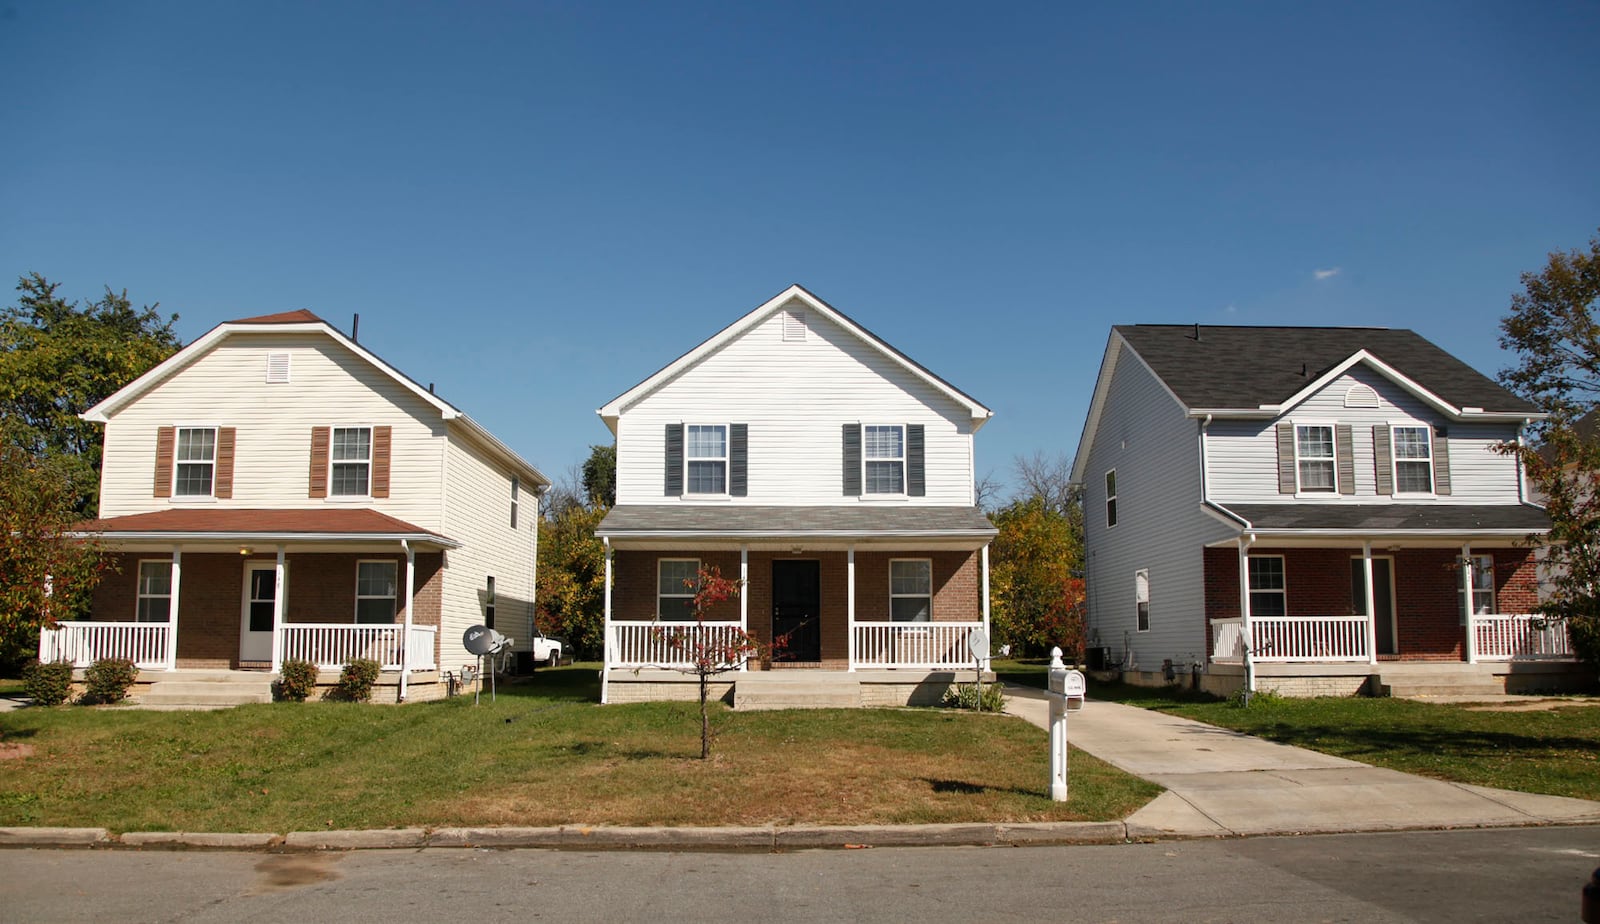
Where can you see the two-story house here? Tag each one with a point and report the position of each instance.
(828, 472)
(274, 491)
(1310, 510)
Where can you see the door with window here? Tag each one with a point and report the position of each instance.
(260, 599)
(1383, 596)
(796, 610)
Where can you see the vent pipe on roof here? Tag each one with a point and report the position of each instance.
(1197, 332)
(430, 388)
(1304, 370)
(355, 328)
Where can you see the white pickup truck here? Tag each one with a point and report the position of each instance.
(546, 650)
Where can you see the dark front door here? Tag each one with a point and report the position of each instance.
(1383, 597)
(796, 611)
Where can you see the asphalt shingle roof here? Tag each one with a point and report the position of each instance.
(793, 521)
(239, 521)
(1399, 517)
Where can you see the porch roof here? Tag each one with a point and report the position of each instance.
(1386, 519)
(742, 521)
(233, 524)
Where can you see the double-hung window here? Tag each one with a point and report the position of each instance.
(1314, 460)
(1269, 590)
(196, 462)
(1141, 600)
(675, 588)
(1482, 587)
(351, 462)
(1111, 498)
(705, 459)
(911, 589)
(375, 590)
(155, 591)
(884, 458)
(1413, 459)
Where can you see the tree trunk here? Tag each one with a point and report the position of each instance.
(705, 719)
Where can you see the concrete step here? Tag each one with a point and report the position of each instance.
(1418, 682)
(213, 698)
(796, 693)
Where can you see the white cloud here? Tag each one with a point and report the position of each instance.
(1231, 309)
(1322, 274)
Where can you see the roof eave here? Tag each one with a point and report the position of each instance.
(245, 536)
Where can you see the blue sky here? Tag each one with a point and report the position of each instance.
(536, 205)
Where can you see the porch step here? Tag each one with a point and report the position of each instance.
(207, 692)
(789, 691)
(1419, 681)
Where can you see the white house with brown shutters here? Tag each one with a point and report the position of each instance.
(832, 475)
(274, 490)
(1311, 510)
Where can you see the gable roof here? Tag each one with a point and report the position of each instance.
(722, 338)
(303, 321)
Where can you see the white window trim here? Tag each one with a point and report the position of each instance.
(177, 440)
(1111, 499)
(1141, 589)
(1477, 594)
(686, 594)
(355, 616)
(138, 588)
(1395, 460)
(1333, 439)
(905, 464)
(726, 459)
(372, 430)
(894, 596)
(1281, 591)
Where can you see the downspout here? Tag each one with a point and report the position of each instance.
(411, 605)
(1245, 541)
(605, 639)
(1205, 473)
(1522, 471)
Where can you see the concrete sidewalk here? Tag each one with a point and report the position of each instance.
(1221, 782)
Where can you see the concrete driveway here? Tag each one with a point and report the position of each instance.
(1221, 782)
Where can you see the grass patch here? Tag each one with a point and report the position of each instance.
(10, 685)
(544, 754)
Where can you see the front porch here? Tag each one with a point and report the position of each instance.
(329, 646)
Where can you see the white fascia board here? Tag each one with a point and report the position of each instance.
(238, 536)
(689, 535)
(615, 407)
(1102, 386)
(1383, 368)
(506, 454)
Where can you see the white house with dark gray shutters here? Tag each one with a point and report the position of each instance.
(1316, 510)
(828, 472)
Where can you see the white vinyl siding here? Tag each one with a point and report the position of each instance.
(476, 517)
(795, 396)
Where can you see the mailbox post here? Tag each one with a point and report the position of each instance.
(1066, 691)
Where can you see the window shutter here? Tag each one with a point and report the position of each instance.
(739, 459)
(1347, 459)
(852, 460)
(319, 462)
(222, 485)
(916, 468)
(165, 438)
(1286, 476)
(674, 460)
(1383, 460)
(381, 438)
(1441, 463)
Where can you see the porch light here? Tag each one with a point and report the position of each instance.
(795, 550)
(244, 550)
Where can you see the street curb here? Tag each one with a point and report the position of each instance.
(376, 839)
(53, 837)
(219, 840)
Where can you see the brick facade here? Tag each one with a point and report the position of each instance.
(1426, 591)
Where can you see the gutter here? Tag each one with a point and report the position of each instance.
(148, 536)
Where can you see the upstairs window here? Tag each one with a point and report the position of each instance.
(1111, 498)
(1413, 459)
(1269, 594)
(675, 583)
(376, 582)
(705, 455)
(351, 462)
(196, 462)
(1314, 458)
(911, 589)
(884, 459)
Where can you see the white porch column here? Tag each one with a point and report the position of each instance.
(411, 602)
(172, 604)
(277, 613)
(606, 641)
(983, 588)
(1466, 596)
(744, 597)
(1247, 640)
(850, 601)
(1371, 596)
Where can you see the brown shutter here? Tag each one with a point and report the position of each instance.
(319, 462)
(1383, 459)
(1346, 453)
(165, 438)
(380, 461)
(1286, 474)
(1441, 463)
(222, 486)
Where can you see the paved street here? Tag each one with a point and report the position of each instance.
(1525, 874)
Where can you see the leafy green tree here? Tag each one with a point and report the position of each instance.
(1555, 333)
(600, 476)
(1035, 584)
(571, 578)
(58, 359)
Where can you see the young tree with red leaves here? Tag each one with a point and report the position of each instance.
(711, 650)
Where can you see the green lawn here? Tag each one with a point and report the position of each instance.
(544, 754)
(1555, 751)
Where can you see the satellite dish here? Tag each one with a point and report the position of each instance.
(977, 643)
(481, 640)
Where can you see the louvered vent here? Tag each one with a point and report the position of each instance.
(277, 368)
(1361, 396)
(794, 325)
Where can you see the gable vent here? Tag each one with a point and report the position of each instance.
(277, 368)
(1361, 396)
(794, 325)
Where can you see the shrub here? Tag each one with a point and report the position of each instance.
(1243, 699)
(965, 696)
(108, 680)
(47, 684)
(356, 680)
(296, 680)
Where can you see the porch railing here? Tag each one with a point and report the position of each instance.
(1520, 637)
(421, 652)
(921, 645)
(1227, 641)
(83, 643)
(332, 645)
(657, 644)
(1307, 638)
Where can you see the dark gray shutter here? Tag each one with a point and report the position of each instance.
(1441, 464)
(1286, 477)
(916, 469)
(1347, 459)
(674, 460)
(1383, 460)
(852, 460)
(738, 459)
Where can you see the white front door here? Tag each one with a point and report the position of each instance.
(255, 623)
